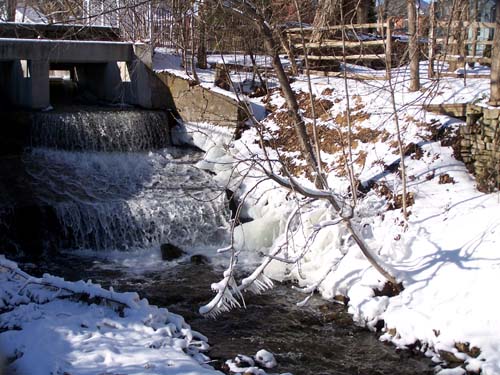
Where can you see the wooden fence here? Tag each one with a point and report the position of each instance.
(375, 44)
(367, 44)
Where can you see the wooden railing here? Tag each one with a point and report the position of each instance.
(361, 43)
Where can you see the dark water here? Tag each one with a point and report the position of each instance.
(319, 339)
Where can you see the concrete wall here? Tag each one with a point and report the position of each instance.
(197, 104)
(480, 145)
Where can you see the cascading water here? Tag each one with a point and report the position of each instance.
(103, 130)
(112, 184)
(122, 200)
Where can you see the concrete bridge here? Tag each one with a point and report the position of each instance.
(111, 71)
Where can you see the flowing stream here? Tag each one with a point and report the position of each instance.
(118, 192)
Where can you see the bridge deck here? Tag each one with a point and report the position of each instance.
(58, 31)
(65, 51)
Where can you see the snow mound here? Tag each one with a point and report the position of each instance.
(52, 326)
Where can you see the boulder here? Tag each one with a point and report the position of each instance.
(265, 359)
(199, 259)
(170, 251)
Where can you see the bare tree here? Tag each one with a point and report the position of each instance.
(202, 37)
(495, 62)
(228, 290)
(413, 46)
(11, 10)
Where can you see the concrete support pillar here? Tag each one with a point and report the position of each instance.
(139, 82)
(39, 82)
(14, 85)
(139, 71)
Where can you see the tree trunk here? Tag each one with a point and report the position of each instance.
(201, 54)
(474, 18)
(324, 17)
(299, 125)
(363, 11)
(495, 62)
(432, 39)
(413, 47)
(11, 10)
(459, 13)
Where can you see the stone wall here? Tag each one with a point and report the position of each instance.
(195, 103)
(480, 145)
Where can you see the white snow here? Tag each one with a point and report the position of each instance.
(28, 15)
(48, 328)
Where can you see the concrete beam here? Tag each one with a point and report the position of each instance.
(67, 51)
(58, 31)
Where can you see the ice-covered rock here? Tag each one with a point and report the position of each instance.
(265, 359)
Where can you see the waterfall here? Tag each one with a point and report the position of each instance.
(111, 182)
(102, 130)
(128, 200)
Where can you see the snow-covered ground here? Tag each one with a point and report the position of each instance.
(444, 254)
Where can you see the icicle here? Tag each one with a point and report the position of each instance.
(260, 284)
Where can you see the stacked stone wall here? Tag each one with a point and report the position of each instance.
(480, 145)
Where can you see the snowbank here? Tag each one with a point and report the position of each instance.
(51, 326)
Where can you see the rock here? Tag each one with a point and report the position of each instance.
(413, 150)
(446, 179)
(222, 78)
(265, 359)
(392, 332)
(389, 289)
(244, 361)
(380, 325)
(199, 259)
(465, 348)
(341, 318)
(258, 92)
(449, 357)
(233, 203)
(170, 252)
(398, 201)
